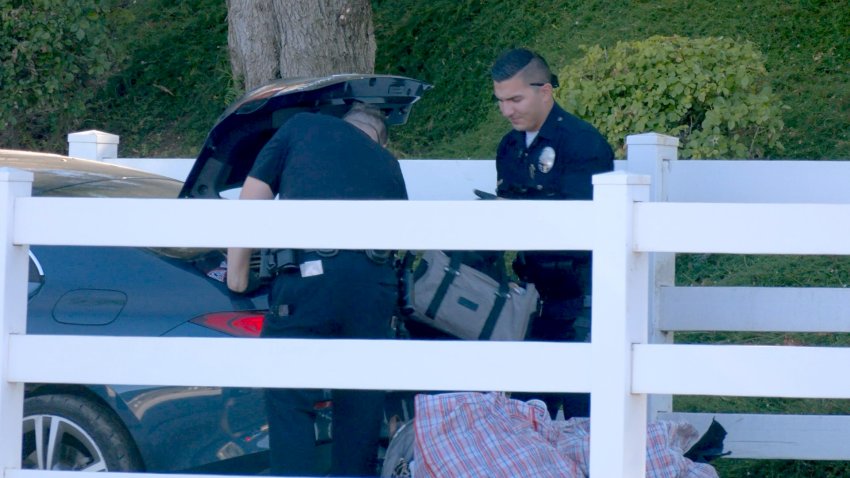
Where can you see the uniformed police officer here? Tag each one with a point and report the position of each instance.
(321, 293)
(549, 154)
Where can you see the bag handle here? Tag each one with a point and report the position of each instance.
(452, 271)
(502, 295)
(501, 298)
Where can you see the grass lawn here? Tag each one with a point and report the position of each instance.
(775, 271)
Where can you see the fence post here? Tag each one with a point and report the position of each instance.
(93, 144)
(620, 295)
(652, 153)
(14, 261)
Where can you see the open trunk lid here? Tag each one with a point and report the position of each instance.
(244, 128)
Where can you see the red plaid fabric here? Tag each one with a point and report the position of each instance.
(490, 435)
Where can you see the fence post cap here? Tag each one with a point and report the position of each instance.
(93, 136)
(652, 139)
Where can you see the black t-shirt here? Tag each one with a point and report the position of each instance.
(315, 156)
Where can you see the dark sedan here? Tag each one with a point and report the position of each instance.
(164, 292)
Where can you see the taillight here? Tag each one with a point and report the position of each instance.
(238, 324)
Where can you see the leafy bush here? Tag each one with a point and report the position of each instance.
(712, 93)
(52, 55)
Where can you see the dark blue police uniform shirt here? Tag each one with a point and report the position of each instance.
(576, 151)
(580, 151)
(315, 156)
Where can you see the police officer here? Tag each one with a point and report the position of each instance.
(321, 293)
(549, 154)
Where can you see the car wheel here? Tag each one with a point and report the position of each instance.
(66, 432)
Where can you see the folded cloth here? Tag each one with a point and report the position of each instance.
(490, 435)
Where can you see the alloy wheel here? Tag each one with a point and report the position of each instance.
(55, 443)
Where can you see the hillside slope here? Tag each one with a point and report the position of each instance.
(174, 80)
(449, 43)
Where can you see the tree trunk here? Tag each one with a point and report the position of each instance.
(270, 39)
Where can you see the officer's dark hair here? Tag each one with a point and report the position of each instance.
(532, 66)
(370, 116)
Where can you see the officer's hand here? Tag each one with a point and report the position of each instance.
(254, 283)
(251, 285)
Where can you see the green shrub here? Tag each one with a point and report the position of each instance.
(712, 93)
(52, 57)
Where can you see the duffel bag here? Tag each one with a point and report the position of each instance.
(457, 299)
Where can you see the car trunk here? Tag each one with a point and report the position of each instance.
(244, 128)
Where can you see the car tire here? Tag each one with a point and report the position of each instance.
(75, 433)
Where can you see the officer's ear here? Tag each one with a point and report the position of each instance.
(545, 88)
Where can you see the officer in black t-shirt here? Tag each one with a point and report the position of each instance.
(320, 293)
(549, 154)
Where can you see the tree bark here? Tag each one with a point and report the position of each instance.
(270, 39)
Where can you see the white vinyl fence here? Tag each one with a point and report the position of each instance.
(750, 309)
(620, 225)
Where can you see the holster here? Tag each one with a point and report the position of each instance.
(273, 261)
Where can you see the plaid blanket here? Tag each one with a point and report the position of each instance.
(490, 435)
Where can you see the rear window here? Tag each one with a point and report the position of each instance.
(160, 188)
(70, 183)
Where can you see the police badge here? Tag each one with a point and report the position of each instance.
(546, 160)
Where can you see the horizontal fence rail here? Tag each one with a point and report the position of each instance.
(410, 225)
(804, 437)
(751, 181)
(736, 181)
(755, 309)
(475, 366)
(743, 228)
(83, 474)
(739, 370)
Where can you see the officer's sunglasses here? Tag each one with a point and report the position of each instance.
(496, 100)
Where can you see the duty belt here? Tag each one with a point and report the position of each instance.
(275, 261)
